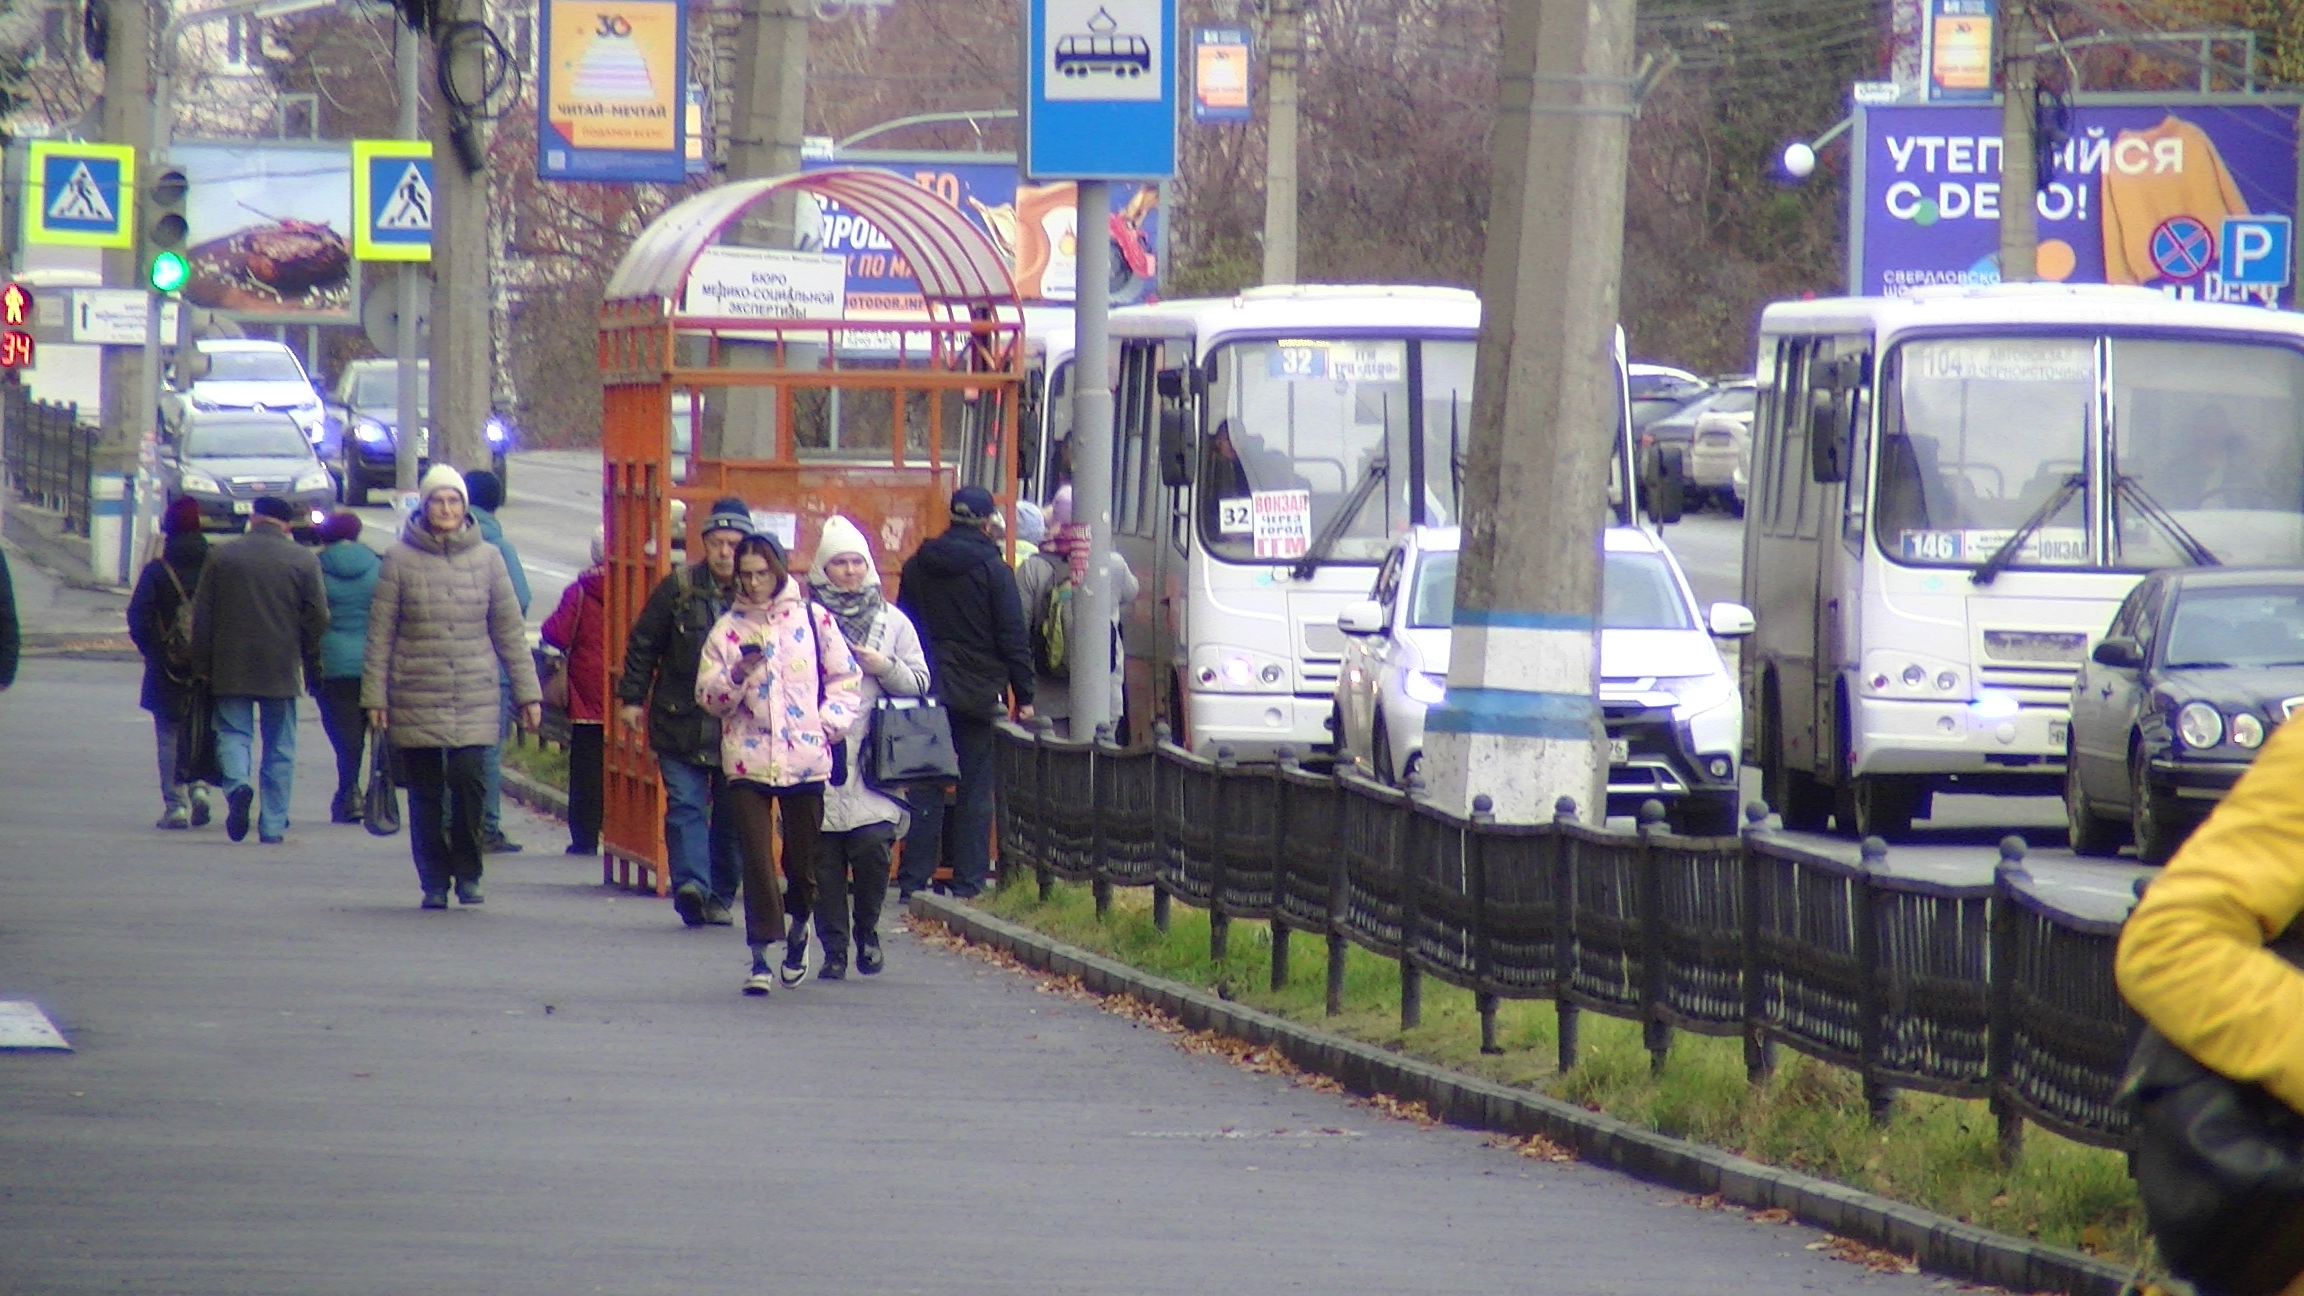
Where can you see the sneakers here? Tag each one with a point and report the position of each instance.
(469, 893)
(199, 807)
(496, 843)
(573, 849)
(688, 902)
(795, 969)
(236, 803)
(869, 959)
(716, 913)
(833, 970)
(760, 982)
(435, 900)
(177, 819)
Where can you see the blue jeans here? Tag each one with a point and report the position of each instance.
(492, 766)
(699, 829)
(959, 835)
(237, 720)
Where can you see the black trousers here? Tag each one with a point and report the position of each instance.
(851, 879)
(347, 727)
(586, 785)
(444, 812)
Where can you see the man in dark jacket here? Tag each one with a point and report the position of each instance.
(660, 660)
(257, 619)
(162, 588)
(960, 592)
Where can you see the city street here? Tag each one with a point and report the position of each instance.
(291, 1080)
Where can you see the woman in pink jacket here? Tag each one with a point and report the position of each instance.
(780, 677)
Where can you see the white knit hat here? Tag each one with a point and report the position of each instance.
(443, 477)
(841, 536)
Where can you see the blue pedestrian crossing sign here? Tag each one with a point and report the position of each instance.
(2258, 251)
(392, 200)
(80, 195)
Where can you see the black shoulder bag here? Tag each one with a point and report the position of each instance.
(2219, 1165)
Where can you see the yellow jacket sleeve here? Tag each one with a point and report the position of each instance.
(2192, 959)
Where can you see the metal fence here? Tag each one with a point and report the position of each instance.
(51, 454)
(1983, 991)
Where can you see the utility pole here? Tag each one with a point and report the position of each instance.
(1284, 55)
(770, 112)
(407, 61)
(462, 343)
(1521, 722)
(2019, 176)
(127, 120)
(1092, 462)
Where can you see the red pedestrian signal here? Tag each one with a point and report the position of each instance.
(15, 344)
(15, 305)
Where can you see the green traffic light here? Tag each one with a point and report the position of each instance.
(170, 271)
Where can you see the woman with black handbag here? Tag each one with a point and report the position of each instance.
(861, 824)
(2217, 1083)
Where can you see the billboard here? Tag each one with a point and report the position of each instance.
(1035, 226)
(2145, 194)
(271, 229)
(612, 98)
(1220, 75)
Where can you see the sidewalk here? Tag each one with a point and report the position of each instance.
(62, 608)
(288, 1079)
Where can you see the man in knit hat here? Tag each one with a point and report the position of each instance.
(257, 619)
(661, 657)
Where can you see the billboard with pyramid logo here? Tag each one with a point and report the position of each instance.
(611, 100)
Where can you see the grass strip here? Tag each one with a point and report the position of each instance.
(1937, 1153)
(542, 762)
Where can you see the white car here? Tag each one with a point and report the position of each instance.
(1720, 457)
(247, 374)
(1674, 717)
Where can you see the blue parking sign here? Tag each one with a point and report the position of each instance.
(2259, 251)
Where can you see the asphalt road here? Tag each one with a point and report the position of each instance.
(551, 505)
(290, 1080)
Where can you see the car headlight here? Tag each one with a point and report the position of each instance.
(497, 430)
(2200, 725)
(1235, 670)
(2247, 731)
(371, 432)
(317, 479)
(1698, 693)
(1431, 690)
(195, 480)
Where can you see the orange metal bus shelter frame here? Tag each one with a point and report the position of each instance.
(931, 398)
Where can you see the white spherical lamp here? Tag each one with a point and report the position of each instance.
(1799, 160)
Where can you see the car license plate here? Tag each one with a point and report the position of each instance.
(1619, 750)
(243, 507)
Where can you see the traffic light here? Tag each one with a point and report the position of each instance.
(165, 230)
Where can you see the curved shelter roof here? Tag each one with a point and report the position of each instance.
(956, 264)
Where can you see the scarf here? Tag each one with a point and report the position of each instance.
(853, 611)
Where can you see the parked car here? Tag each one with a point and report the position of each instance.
(244, 374)
(2199, 665)
(1674, 718)
(225, 460)
(364, 415)
(1659, 390)
(1719, 458)
(1677, 431)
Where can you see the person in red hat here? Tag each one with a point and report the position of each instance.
(160, 625)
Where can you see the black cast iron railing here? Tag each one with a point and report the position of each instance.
(1981, 991)
(50, 455)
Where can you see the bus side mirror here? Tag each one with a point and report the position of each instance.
(1827, 440)
(1169, 383)
(1175, 447)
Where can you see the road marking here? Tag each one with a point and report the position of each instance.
(24, 1026)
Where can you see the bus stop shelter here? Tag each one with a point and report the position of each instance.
(802, 411)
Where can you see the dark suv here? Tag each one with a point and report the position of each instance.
(363, 433)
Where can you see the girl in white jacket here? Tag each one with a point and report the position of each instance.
(860, 825)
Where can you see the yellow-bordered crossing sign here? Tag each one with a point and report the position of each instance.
(81, 195)
(392, 200)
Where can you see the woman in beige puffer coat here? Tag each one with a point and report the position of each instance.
(444, 623)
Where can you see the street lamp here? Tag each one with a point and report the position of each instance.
(1798, 160)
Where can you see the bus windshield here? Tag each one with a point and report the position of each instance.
(1359, 437)
(2009, 443)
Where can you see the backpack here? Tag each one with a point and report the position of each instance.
(1052, 625)
(176, 633)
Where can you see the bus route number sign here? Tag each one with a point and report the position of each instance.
(1235, 517)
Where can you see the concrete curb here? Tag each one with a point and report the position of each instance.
(85, 647)
(1941, 1244)
(539, 797)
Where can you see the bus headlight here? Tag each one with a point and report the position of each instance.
(1995, 704)
(2247, 731)
(2200, 725)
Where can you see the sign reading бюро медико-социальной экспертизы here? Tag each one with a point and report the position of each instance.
(2188, 197)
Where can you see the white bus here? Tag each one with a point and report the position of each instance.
(1269, 447)
(1951, 494)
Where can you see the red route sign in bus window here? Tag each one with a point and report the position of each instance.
(15, 349)
(15, 305)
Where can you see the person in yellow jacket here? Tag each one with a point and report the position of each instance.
(2193, 959)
